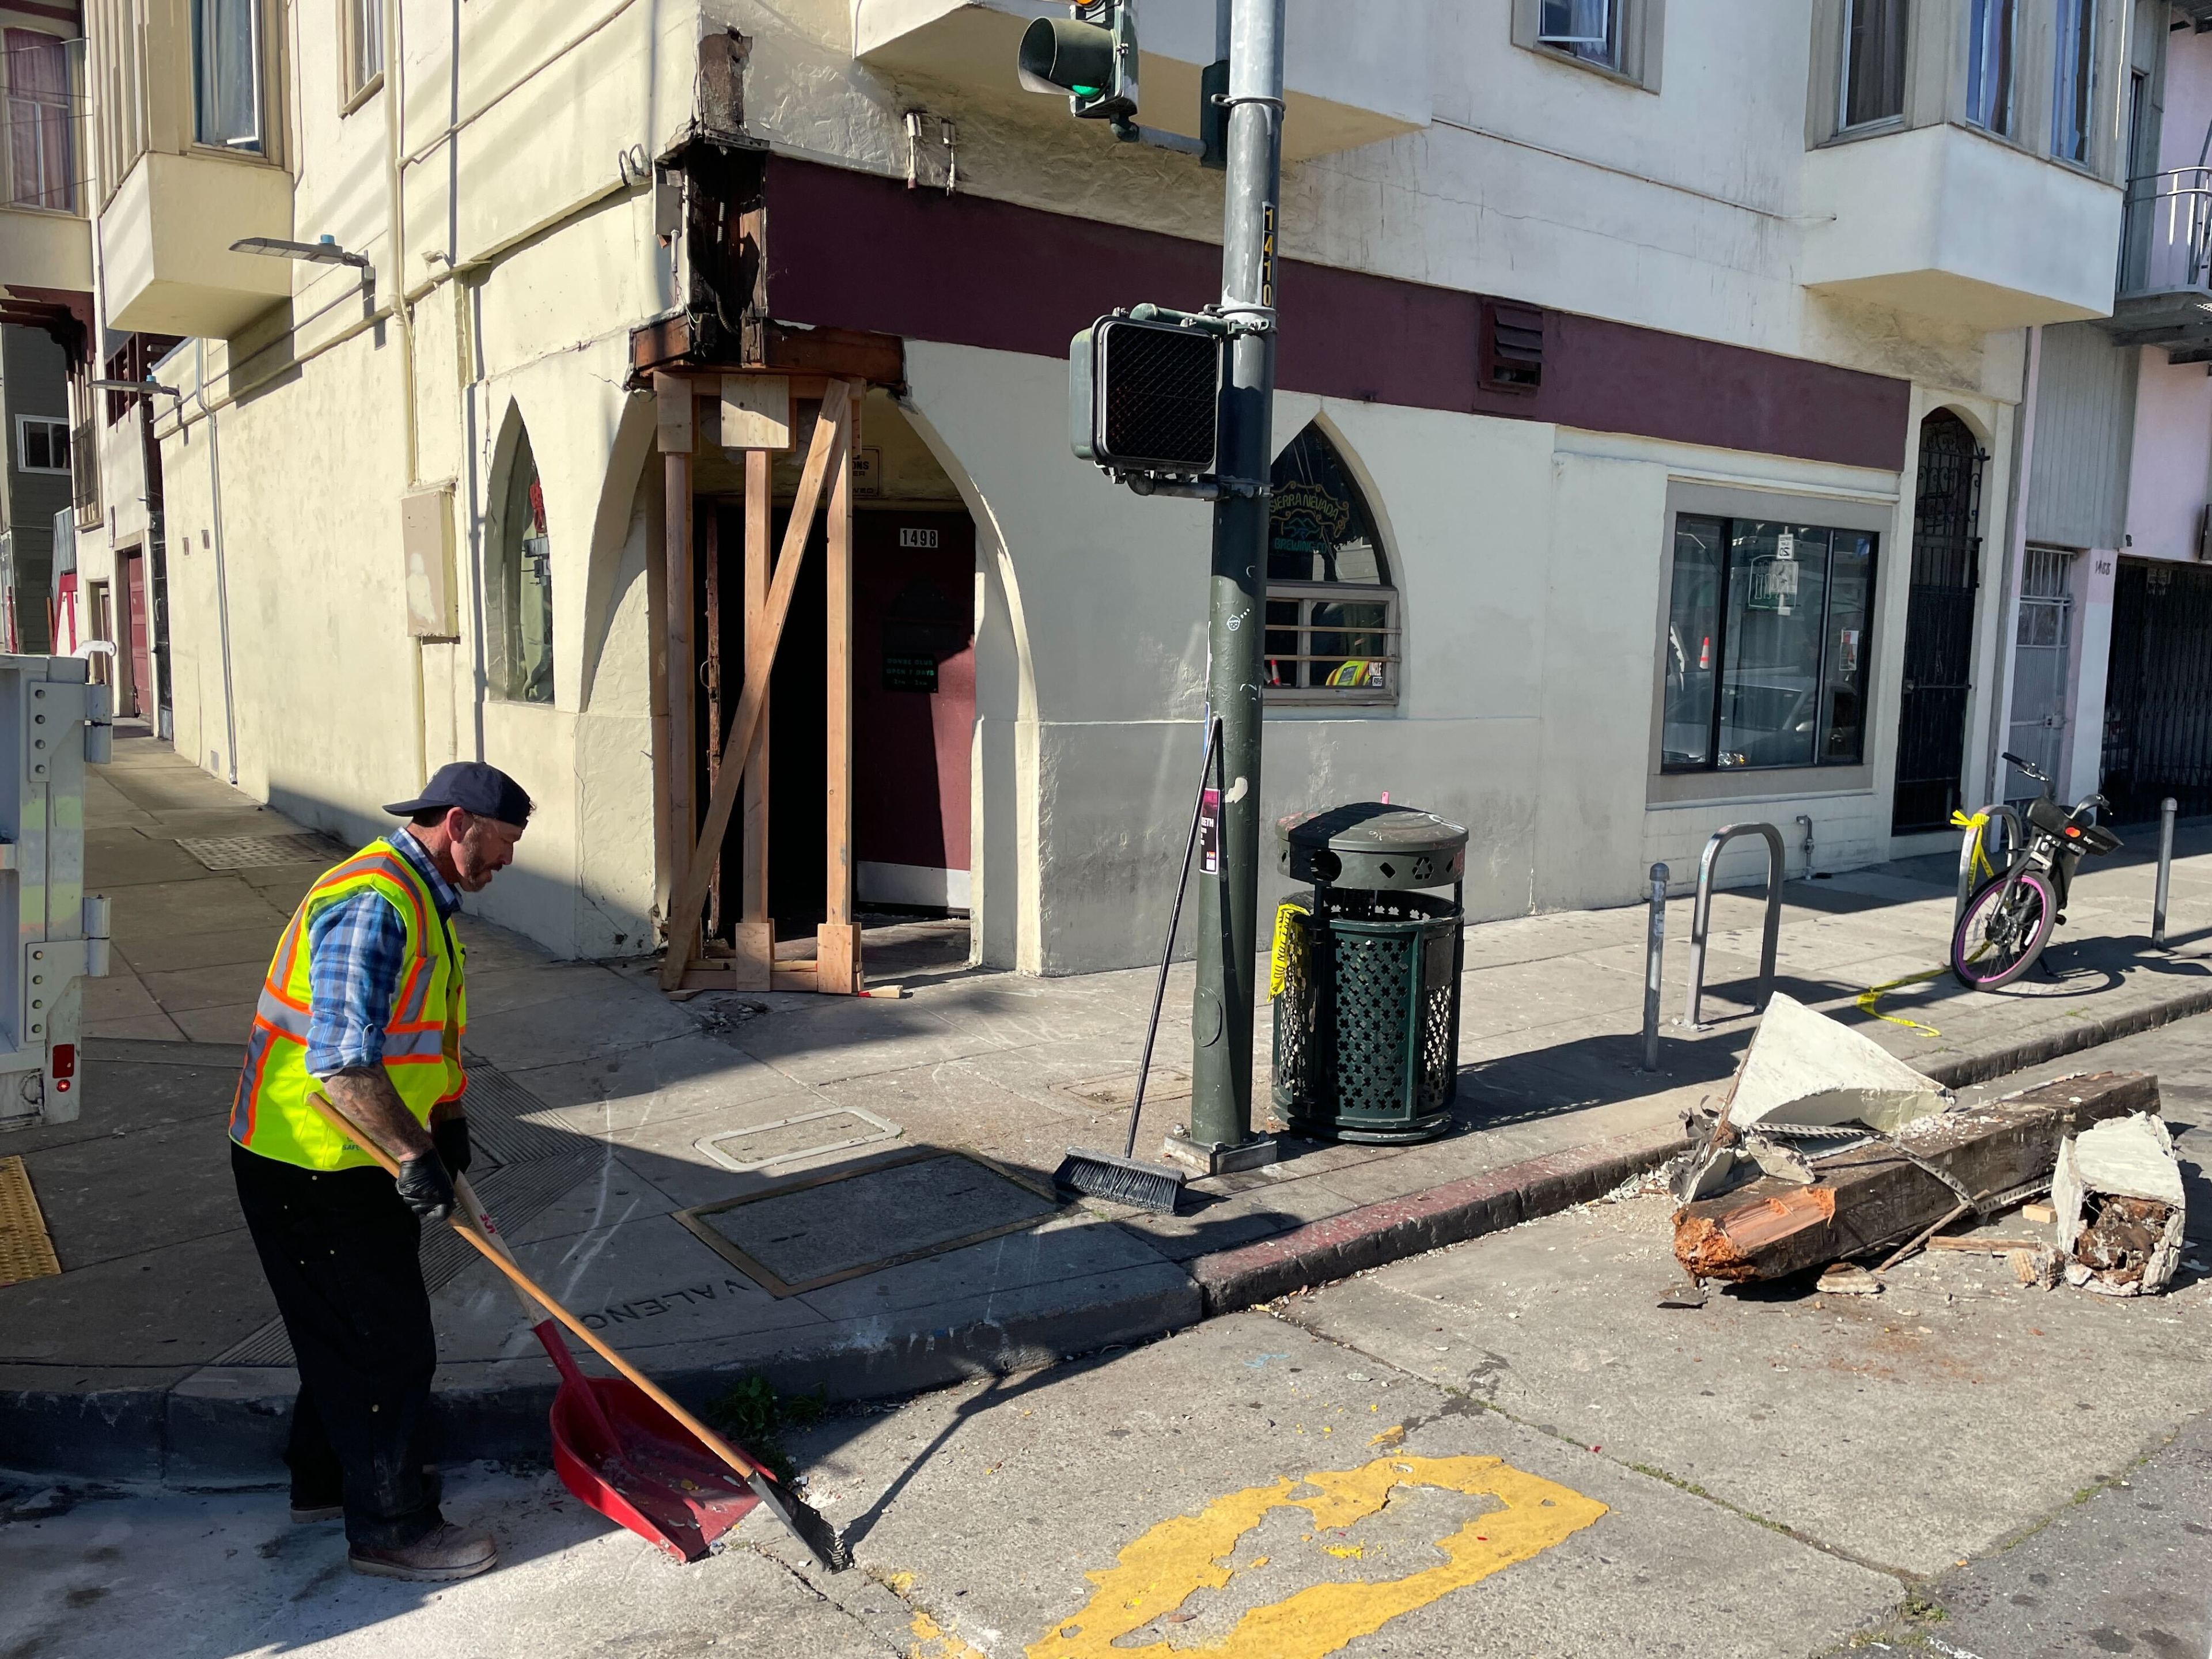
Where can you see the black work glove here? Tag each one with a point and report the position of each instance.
(425, 1188)
(451, 1136)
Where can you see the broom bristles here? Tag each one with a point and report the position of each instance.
(1120, 1180)
(807, 1524)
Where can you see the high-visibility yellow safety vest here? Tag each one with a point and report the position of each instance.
(269, 1113)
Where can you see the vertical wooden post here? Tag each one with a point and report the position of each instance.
(710, 679)
(674, 394)
(837, 948)
(755, 935)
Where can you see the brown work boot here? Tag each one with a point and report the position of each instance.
(443, 1554)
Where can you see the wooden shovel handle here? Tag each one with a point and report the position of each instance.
(494, 1251)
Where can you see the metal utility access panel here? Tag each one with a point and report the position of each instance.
(52, 722)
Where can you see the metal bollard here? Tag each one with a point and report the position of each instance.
(1654, 946)
(2166, 808)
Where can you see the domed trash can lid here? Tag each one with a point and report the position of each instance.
(1370, 845)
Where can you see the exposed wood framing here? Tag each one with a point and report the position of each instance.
(838, 939)
(828, 470)
(755, 933)
(674, 396)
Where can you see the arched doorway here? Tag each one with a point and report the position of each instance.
(1939, 626)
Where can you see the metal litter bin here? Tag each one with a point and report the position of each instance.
(1366, 974)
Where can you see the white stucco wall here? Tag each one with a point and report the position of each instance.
(1530, 557)
(2170, 469)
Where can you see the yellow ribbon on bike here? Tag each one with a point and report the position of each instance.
(1288, 940)
(1979, 824)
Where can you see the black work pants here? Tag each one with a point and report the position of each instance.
(339, 1249)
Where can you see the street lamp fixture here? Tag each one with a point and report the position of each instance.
(144, 388)
(324, 251)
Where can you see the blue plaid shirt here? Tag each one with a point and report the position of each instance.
(356, 950)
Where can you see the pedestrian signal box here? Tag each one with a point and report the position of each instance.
(1145, 397)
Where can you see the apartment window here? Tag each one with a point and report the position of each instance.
(1616, 37)
(41, 147)
(364, 47)
(42, 444)
(1990, 34)
(1588, 29)
(521, 598)
(1766, 644)
(227, 73)
(2074, 83)
(1332, 632)
(1874, 61)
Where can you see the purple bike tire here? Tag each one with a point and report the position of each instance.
(2046, 897)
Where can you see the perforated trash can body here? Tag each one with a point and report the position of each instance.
(1367, 1017)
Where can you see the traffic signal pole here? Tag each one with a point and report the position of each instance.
(1228, 941)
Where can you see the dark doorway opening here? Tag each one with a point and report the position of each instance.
(1939, 626)
(2158, 695)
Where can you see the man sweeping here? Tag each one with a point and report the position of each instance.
(363, 1003)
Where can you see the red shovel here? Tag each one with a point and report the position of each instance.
(620, 1444)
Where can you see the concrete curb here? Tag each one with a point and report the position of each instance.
(1451, 1214)
(2081, 1032)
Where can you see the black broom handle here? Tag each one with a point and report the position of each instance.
(1175, 921)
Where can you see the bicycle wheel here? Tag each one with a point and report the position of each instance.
(2003, 930)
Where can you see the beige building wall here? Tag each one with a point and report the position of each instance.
(1530, 558)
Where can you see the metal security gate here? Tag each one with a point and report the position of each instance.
(2042, 654)
(1939, 626)
(2157, 696)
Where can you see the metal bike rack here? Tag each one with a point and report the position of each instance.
(1702, 912)
(2015, 838)
(2166, 808)
(1655, 949)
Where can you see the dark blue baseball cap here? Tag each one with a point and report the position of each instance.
(474, 788)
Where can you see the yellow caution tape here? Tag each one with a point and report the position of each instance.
(1979, 824)
(1288, 938)
(1866, 999)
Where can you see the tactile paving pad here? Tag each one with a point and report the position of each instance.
(26, 1252)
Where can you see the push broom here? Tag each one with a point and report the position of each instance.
(621, 1444)
(1127, 1179)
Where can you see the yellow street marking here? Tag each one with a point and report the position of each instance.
(1393, 1436)
(1184, 1555)
(934, 1642)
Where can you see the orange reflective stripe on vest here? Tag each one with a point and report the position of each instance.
(269, 1113)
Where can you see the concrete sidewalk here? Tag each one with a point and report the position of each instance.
(881, 1262)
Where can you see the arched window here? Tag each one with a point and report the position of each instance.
(520, 602)
(1332, 612)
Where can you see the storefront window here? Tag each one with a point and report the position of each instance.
(1331, 613)
(521, 634)
(1766, 644)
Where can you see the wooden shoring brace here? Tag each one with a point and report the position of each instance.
(753, 934)
(837, 940)
(831, 450)
(673, 395)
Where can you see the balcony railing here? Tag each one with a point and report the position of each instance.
(2166, 244)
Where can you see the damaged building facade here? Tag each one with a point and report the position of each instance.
(1648, 429)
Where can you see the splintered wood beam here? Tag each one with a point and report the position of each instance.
(831, 433)
(760, 530)
(1873, 1196)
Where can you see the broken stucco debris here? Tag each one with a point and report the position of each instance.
(1849, 1279)
(1883, 1190)
(2120, 1211)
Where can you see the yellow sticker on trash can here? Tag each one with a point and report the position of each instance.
(1289, 936)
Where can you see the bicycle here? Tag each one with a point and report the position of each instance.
(2010, 919)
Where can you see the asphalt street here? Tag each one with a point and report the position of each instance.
(1505, 1448)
